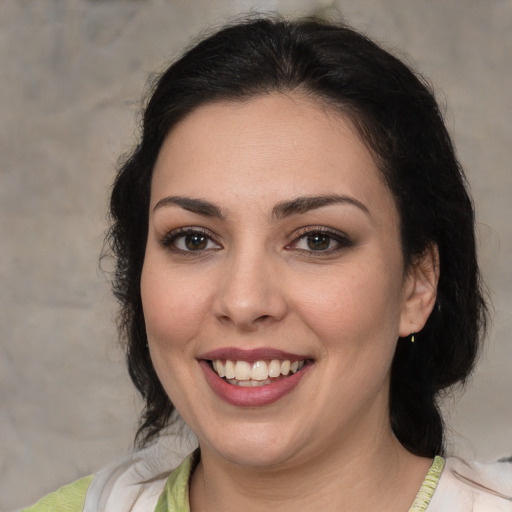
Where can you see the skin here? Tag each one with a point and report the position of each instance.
(257, 283)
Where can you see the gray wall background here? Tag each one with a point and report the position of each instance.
(71, 76)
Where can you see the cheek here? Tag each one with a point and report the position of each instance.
(172, 310)
(353, 311)
(172, 314)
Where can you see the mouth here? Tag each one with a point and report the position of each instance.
(253, 377)
(258, 373)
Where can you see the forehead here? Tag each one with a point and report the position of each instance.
(275, 147)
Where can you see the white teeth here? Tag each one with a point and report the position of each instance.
(249, 383)
(274, 368)
(242, 370)
(230, 370)
(243, 373)
(243, 383)
(259, 371)
(219, 368)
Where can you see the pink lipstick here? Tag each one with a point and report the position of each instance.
(274, 374)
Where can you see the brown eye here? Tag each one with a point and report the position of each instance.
(196, 241)
(189, 240)
(318, 241)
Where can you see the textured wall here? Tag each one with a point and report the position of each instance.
(72, 73)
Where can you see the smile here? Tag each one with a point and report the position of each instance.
(255, 377)
(257, 373)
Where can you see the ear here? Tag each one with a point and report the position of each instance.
(420, 291)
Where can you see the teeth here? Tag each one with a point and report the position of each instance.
(242, 370)
(243, 373)
(219, 368)
(274, 368)
(230, 369)
(259, 371)
(249, 383)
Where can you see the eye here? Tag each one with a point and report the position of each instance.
(320, 240)
(190, 240)
(316, 241)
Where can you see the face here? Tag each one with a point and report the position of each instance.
(273, 284)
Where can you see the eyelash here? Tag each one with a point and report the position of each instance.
(170, 239)
(342, 240)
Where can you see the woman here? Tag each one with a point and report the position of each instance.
(297, 272)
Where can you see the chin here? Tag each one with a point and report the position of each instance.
(257, 457)
(254, 447)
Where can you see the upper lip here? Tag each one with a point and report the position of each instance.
(251, 355)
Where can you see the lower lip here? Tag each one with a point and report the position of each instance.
(254, 396)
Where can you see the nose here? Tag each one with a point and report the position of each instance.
(251, 292)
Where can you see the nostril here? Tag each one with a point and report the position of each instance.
(249, 311)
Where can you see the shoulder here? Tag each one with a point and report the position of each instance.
(70, 498)
(133, 484)
(473, 486)
(136, 482)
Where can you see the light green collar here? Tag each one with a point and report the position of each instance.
(428, 486)
(176, 490)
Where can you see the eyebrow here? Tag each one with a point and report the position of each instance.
(304, 204)
(199, 206)
(298, 205)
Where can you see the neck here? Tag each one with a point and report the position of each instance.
(376, 473)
